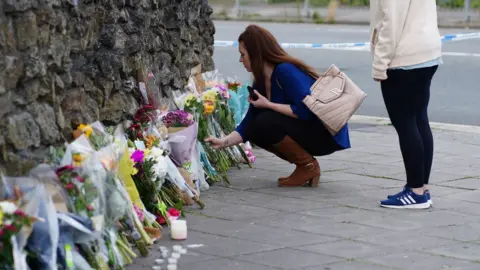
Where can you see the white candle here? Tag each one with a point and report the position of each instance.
(176, 255)
(172, 267)
(179, 229)
(172, 260)
(177, 247)
(159, 261)
(183, 251)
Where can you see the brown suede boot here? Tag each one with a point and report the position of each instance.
(280, 156)
(307, 171)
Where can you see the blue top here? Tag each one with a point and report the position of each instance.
(295, 86)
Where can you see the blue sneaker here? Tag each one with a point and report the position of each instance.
(406, 199)
(427, 192)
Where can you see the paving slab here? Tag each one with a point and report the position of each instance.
(254, 224)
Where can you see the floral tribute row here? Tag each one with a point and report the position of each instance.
(103, 199)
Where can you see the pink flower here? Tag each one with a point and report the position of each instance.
(139, 213)
(2, 232)
(69, 186)
(19, 213)
(65, 168)
(12, 228)
(80, 179)
(90, 208)
(174, 212)
(252, 159)
(137, 156)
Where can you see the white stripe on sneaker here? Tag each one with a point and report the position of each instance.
(404, 202)
(410, 197)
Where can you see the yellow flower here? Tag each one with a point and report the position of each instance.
(131, 167)
(1, 216)
(209, 95)
(85, 129)
(77, 159)
(147, 152)
(189, 99)
(208, 108)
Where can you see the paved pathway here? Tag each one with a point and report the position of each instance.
(255, 225)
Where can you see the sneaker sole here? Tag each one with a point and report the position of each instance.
(410, 206)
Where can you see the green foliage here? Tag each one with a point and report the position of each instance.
(457, 3)
(357, 3)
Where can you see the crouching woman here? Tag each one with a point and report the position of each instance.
(277, 120)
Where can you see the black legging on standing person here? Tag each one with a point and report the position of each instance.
(268, 128)
(406, 94)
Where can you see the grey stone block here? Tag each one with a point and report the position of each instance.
(411, 220)
(457, 206)
(469, 196)
(349, 249)
(417, 260)
(231, 211)
(260, 233)
(267, 201)
(228, 264)
(288, 258)
(404, 240)
(463, 232)
(463, 251)
(466, 183)
(348, 265)
(222, 246)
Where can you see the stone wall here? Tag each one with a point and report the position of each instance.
(66, 62)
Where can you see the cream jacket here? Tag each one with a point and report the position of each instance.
(403, 33)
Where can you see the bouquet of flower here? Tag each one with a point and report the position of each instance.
(86, 198)
(95, 133)
(233, 86)
(83, 193)
(178, 119)
(12, 221)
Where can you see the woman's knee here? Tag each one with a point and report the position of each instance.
(266, 128)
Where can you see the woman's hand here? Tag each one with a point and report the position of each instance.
(261, 102)
(216, 143)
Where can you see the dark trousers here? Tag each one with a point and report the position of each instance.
(406, 94)
(269, 128)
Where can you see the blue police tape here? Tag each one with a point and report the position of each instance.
(356, 45)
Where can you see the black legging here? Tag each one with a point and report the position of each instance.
(406, 94)
(268, 128)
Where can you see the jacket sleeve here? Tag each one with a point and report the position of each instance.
(394, 13)
(296, 85)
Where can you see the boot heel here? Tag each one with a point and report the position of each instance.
(314, 181)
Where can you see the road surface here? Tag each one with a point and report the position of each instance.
(455, 90)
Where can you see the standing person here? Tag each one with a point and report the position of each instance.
(277, 120)
(407, 49)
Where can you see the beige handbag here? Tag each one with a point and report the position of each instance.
(334, 99)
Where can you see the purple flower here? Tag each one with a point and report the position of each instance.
(177, 118)
(137, 156)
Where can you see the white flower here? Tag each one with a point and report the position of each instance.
(156, 152)
(8, 207)
(160, 167)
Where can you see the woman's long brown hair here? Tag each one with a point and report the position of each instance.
(263, 47)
